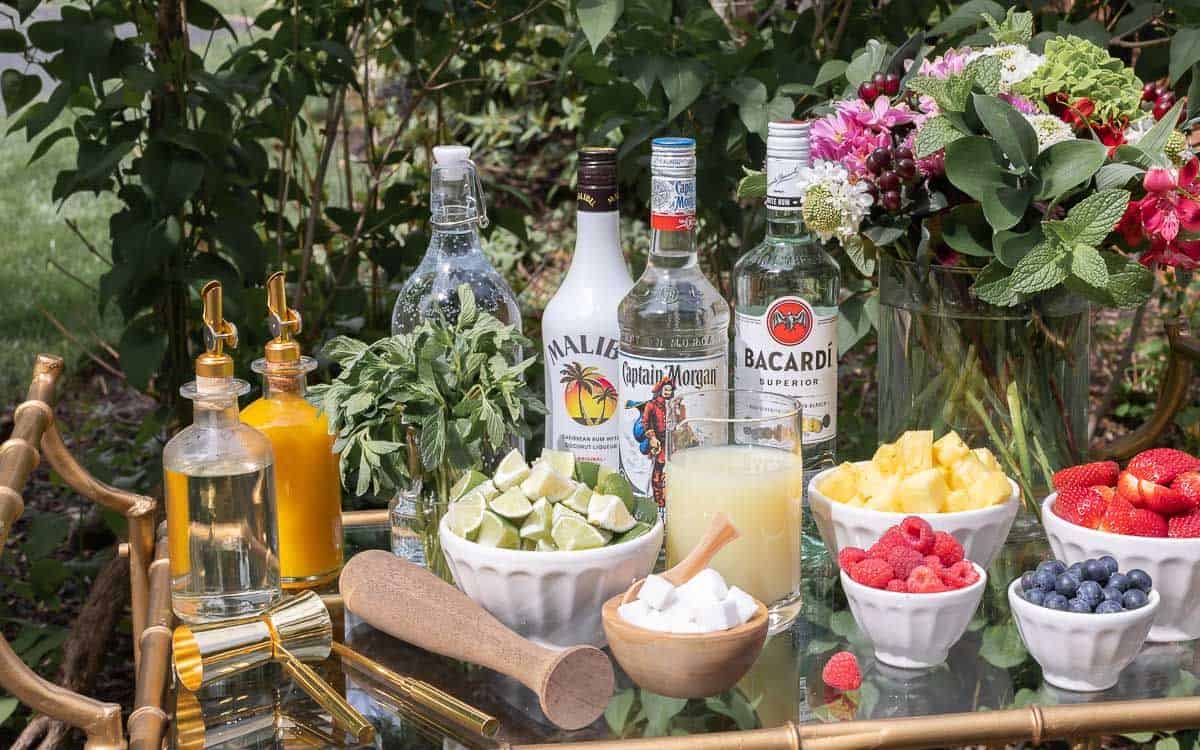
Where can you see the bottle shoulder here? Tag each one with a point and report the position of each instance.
(281, 409)
(201, 450)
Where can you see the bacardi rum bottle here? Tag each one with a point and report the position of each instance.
(785, 299)
(579, 328)
(674, 326)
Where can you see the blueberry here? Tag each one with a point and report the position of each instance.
(1079, 605)
(1090, 592)
(1076, 571)
(1094, 570)
(1109, 607)
(1055, 601)
(1035, 596)
(1113, 594)
(1140, 579)
(1134, 599)
(1044, 579)
(1119, 581)
(1066, 585)
(1110, 563)
(1054, 566)
(1027, 581)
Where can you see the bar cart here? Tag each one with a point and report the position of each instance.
(989, 692)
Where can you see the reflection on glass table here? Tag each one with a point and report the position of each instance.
(989, 669)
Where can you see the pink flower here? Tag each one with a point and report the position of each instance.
(882, 115)
(1184, 254)
(843, 139)
(947, 64)
(1170, 202)
(1021, 104)
(932, 165)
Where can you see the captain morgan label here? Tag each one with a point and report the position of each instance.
(792, 351)
(672, 202)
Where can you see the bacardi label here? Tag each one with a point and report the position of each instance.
(791, 351)
(650, 402)
(582, 377)
(672, 203)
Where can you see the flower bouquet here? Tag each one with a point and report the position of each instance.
(998, 191)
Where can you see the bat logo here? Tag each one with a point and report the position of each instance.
(790, 321)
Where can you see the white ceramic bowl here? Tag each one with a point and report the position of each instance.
(1173, 564)
(913, 631)
(1081, 651)
(981, 532)
(551, 598)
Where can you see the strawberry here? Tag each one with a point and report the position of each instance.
(1185, 526)
(1161, 465)
(1143, 493)
(841, 672)
(1082, 506)
(1123, 518)
(1188, 485)
(1096, 474)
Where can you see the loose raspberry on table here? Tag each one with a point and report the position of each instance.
(898, 586)
(1098, 473)
(841, 672)
(872, 572)
(849, 556)
(918, 534)
(959, 575)
(924, 580)
(1162, 465)
(1185, 526)
(1082, 506)
(903, 560)
(947, 549)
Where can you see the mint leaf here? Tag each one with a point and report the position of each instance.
(983, 72)
(1095, 216)
(1129, 282)
(1042, 268)
(1011, 246)
(934, 135)
(993, 285)
(1088, 266)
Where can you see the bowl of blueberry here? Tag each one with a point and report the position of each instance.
(1085, 622)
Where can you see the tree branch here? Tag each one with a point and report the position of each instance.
(333, 120)
(1110, 392)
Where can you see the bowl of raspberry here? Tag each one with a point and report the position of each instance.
(1085, 622)
(1146, 516)
(912, 593)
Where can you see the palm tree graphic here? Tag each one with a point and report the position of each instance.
(584, 379)
(607, 394)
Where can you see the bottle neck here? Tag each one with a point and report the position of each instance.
(673, 219)
(284, 383)
(454, 214)
(785, 224)
(215, 413)
(597, 242)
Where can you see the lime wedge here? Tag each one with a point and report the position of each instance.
(464, 520)
(586, 471)
(603, 472)
(495, 531)
(615, 484)
(477, 497)
(528, 545)
(638, 529)
(578, 500)
(563, 511)
(538, 523)
(545, 482)
(546, 545)
(609, 512)
(562, 461)
(468, 481)
(576, 534)
(511, 471)
(512, 504)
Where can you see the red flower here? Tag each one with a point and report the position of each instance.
(1077, 114)
(1170, 202)
(1111, 134)
(1184, 254)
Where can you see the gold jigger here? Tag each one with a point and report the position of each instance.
(294, 629)
(240, 721)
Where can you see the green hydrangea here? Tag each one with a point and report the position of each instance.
(1079, 68)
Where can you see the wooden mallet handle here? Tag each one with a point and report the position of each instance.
(408, 602)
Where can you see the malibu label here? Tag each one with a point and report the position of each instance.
(582, 388)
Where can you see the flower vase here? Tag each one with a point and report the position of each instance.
(414, 514)
(1011, 379)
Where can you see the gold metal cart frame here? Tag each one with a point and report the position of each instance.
(35, 436)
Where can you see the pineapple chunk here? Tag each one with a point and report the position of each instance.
(958, 500)
(884, 498)
(887, 459)
(991, 489)
(916, 451)
(987, 458)
(949, 449)
(842, 484)
(857, 501)
(870, 479)
(966, 472)
(923, 492)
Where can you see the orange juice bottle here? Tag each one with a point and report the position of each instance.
(307, 484)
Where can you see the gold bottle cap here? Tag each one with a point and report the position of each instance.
(218, 334)
(285, 324)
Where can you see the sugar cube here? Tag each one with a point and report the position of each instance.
(705, 588)
(657, 592)
(656, 620)
(719, 616)
(746, 605)
(635, 612)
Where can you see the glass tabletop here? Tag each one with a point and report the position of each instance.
(988, 669)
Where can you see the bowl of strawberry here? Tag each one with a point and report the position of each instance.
(912, 593)
(1146, 516)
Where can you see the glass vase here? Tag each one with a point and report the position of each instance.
(1012, 379)
(414, 515)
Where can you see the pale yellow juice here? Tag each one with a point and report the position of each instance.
(761, 490)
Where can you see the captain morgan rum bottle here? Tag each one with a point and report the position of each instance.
(785, 305)
(579, 327)
(674, 327)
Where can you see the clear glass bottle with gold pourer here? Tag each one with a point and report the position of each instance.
(307, 482)
(220, 488)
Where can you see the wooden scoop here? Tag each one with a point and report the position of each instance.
(410, 603)
(721, 531)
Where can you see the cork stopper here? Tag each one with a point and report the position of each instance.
(219, 333)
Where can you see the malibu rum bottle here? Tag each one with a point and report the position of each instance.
(579, 327)
(785, 300)
(674, 326)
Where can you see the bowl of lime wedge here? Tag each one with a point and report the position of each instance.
(543, 546)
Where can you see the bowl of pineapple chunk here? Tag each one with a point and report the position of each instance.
(957, 489)
(543, 546)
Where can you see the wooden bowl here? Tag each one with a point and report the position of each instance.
(684, 665)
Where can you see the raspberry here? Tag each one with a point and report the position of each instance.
(898, 586)
(872, 572)
(892, 537)
(1082, 506)
(1099, 473)
(878, 551)
(903, 560)
(924, 580)
(959, 575)
(947, 548)
(841, 672)
(849, 556)
(933, 562)
(918, 534)
(1185, 526)
(1161, 465)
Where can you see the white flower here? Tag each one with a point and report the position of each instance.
(1137, 129)
(1016, 63)
(1050, 130)
(830, 204)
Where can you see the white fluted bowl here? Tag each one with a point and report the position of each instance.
(1081, 651)
(551, 598)
(1173, 564)
(981, 532)
(913, 631)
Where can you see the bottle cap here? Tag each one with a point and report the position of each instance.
(598, 167)
(450, 155)
(789, 139)
(673, 157)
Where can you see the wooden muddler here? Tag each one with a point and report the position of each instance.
(408, 602)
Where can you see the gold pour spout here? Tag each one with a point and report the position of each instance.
(218, 334)
(285, 323)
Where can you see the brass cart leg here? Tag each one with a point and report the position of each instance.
(148, 722)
